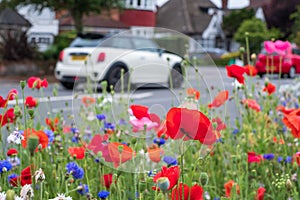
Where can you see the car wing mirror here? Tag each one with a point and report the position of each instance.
(160, 52)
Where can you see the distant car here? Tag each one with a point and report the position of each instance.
(213, 53)
(103, 58)
(288, 64)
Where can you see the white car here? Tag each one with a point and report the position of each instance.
(106, 58)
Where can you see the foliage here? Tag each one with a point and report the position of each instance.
(235, 18)
(277, 14)
(76, 8)
(14, 45)
(296, 26)
(61, 41)
(258, 33)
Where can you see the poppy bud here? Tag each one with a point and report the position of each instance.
(253, 56)
(33, 142)
(163, 184)
(22, 84)
(242, 49)
(120, 148)
(203, 179)
(289, 184)
(10, 195)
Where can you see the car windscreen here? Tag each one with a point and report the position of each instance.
(86, 42)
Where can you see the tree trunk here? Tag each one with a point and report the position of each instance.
(77, 17)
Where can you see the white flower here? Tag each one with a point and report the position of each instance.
(91, 116)
(62, 197)
(15, 161)
(2, 196)
(26, 192)
(18, 198)
(15, 137)
(39, 175)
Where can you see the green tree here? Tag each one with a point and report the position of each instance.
(258, 32)
(76, 8)
(295, 36)
(234, 19)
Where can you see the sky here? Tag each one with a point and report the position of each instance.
(231, 3)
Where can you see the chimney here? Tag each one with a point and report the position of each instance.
(224, 4)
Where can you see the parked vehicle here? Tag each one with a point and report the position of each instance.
(104, 58)
(288, 64)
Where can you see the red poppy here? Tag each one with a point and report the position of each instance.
(275, 140)
(219, 99)
(53, 124)
(284, 110)
(251, 103)
(3, 102)
(107, 180)
(292, 121)
(253, 157)
(235, 71)
(187, 124)
(220, 125)
(155, 153)
(43, 138)
(172, 173)
(14, 181)
(260, 193)
(162, 131)
(119, 153)
(191, 92)
(296, 158)
(31, 102)
(87, 101)
(270, 88)
(250, 70)
(77, 152)
(26, 176)
(12, 152)
(228, 187)
(140, 111)
(36, 82)
(100, 143)
(8, 117)
(193, 193)
(12, 94)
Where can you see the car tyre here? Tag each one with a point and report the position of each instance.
(113, 78)
(261, 75)
(176, 77)
(292, 72)
(67, 85)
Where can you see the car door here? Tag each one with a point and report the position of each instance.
(150, 67)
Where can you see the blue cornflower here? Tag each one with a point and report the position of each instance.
(151, 174)
(103, 194)
(83, 189)
(5, 166)
(235, 131)
(288, 159)
(268, 156)
(296, 105)
(75, 170)
(217, 198)
(279, 159)
(170, 160)
(159, 141)
(220, 140)
(50, 135)
(108, 125)
(101, 117)
(74, 130)
(284, 103)
(122, 122)
(11, 176)
(75, 139)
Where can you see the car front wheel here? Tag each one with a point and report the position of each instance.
(67, 85)
(176, 77)
(114, 78)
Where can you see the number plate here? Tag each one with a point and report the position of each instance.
(79, 57)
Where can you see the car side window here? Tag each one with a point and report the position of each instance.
(123, 43)
(144, 44)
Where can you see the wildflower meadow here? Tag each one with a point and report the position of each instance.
(120, 150)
